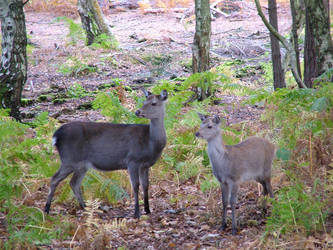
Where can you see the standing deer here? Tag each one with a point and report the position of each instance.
(108, 147)
(234, 164)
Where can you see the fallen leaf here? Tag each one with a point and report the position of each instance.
(209, 236)
(172, 245)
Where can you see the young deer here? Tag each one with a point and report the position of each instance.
(234, 164)
(108, 147)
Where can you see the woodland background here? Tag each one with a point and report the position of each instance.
(68, 80)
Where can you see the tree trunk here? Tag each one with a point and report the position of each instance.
(278, 72)
(288, 46)
(298, 21)
(318, 51)
(92, 20)
(310, 65)
(13, 71)
(201, 43)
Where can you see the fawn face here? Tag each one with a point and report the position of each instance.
(209, 128)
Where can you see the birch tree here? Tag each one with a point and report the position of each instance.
(13, 71)
(92, 19)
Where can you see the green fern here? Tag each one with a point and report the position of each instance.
(24, 160)
(76, 32)
(77, 91)
(104, 187)
(75, 67)
(110, 106)
(297, 210)
(205, 81)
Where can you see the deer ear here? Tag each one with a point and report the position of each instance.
(164, 95)
(202, 116)
(145, 92)
(216, 119)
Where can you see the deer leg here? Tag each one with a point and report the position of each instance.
(144, 181)
(233, 199)
(134, 175)
(76, 184)
(263, 183)
(60, 175)
(225, 200)
(269, 187)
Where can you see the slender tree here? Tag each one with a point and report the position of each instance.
(278, 71)
(13, 71)
(201, 43)
(298, 21)
(286, 44)
(92, 20)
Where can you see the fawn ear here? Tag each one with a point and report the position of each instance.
(202, 116)
(216, 119)
(164, 95)
(145, 92)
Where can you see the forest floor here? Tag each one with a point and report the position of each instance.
(152, 47)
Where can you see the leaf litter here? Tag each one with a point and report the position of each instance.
(183, 217)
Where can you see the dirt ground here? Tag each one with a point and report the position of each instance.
(191, 221)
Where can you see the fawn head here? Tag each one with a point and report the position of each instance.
(209, 128)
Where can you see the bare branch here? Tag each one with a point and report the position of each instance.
(270, 27)
(219, 11)
(25, 2)
(285, 44)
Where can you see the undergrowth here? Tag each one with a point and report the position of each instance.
(26, 156)
(67, 8)
(76, 67)
(75, 30)
(77, 91)
(105, 42)
(76, 33)
(300, 122)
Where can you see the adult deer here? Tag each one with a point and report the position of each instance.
(108, 147)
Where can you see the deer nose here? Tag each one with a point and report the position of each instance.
(137, 113)
(197, 134)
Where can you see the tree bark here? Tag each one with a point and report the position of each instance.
(92, 20)
(13, 71)
(201, 43)
(284, 42)
(278, 71)
(310, 65)
(318, 51)
(298, 20)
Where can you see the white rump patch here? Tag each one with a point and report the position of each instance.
(54, 140)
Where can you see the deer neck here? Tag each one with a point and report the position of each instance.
(216, 148)
(157, 133)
